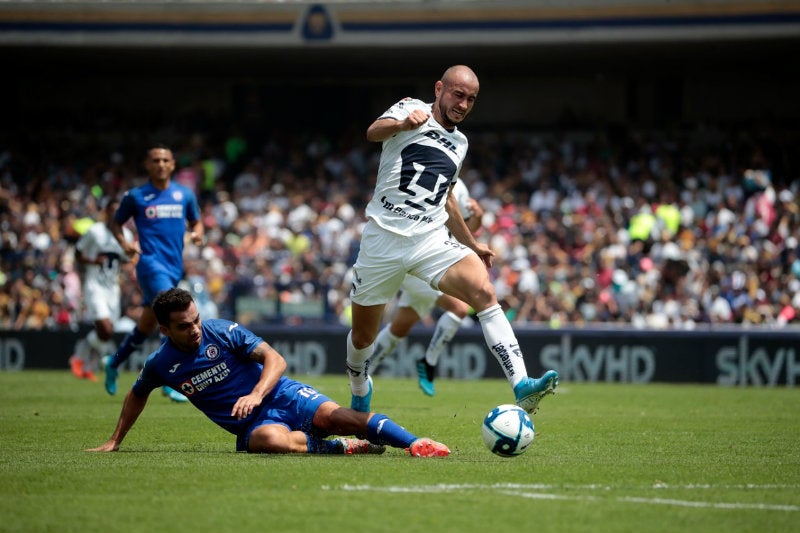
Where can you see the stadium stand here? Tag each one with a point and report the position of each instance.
(636, 167)
(646, 229)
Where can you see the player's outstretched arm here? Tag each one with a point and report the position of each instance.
(131, 409)
(383, 128)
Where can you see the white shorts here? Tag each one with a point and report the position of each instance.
(418, 295)
(102, 303)
(385, 258)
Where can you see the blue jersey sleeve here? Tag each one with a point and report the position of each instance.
(192, 207)
(126, 209)
(241, 340)
(148, 378)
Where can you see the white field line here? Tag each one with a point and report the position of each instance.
(528, 491)
(713, 505)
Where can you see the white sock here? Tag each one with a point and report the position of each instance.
(385, 343)
(503, 343)
(357, 366)
(446, 328)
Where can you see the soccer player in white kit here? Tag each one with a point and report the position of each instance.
(102, 255)
(414, 227)
(417, 300)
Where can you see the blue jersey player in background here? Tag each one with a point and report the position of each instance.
(162, 211)
(237, 380)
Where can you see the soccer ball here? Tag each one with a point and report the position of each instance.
(507, 430)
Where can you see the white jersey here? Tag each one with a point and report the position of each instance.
(415, 172)
(96, 242)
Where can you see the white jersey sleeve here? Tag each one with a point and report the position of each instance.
(415, 172)
(462, 197)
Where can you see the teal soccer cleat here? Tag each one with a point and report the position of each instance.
(530, 391)
(425, 373)
(111, 376)
(362, 403)
(174, 395)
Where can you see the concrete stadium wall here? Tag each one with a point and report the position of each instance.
(731, 357)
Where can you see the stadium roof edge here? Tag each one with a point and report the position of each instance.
(390, 24)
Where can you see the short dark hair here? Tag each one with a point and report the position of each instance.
(170, 301)
(156, 146)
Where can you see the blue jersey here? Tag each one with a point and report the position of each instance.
(160, 218)
(214, 377)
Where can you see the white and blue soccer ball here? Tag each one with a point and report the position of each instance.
(507, 430)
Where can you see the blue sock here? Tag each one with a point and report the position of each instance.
(132, 342)
(317, 445)
(383, 430)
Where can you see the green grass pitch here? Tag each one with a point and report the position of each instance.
(607, 458)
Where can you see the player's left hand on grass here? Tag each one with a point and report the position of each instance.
(109, 446)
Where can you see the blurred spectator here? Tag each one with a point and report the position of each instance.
(639, 229)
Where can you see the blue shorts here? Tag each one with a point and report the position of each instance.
(293, 406)
(155, 282)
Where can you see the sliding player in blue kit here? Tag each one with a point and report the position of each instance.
(163, 212)
(237, 380)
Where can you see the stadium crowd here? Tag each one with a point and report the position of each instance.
(654, 230)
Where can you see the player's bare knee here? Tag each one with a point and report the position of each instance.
(361, 339)
(483, 297)
(269, 439)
